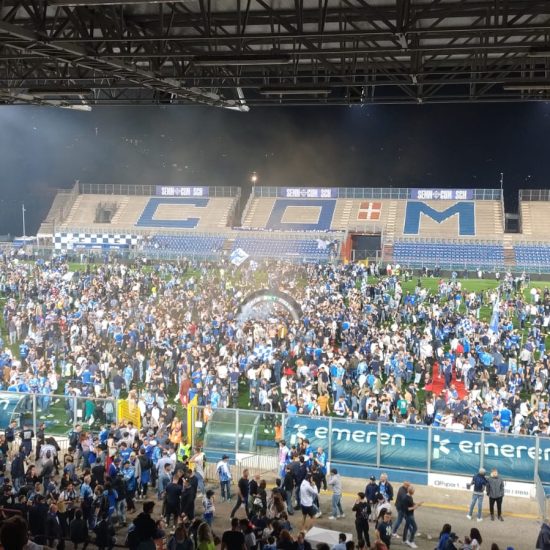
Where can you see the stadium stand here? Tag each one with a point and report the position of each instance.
(347, 213)
(272, 246)
(62, 204)
(257, 212)
(535, 217)
(528, 255)
(448, 254)
(158, 212)
(188, 245)
(414, 226)
(450, 219)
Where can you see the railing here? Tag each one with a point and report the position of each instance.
(544, 244)
(472, 267)
(451, 241)
(370, 255)
(124, 189)
(228, 233)
(368, 228)
(542, 497)
(356, 445)
(534, 195)
(59, 413)
(397, 193)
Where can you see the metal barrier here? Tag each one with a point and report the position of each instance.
(542, 497)
(393, 193)
(145, 190)
(258, 465)
(356, 446)
(59, 413)
(534, 195)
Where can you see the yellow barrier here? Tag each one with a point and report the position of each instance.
(129, 411)
(192, 409)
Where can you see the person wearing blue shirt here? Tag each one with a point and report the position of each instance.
(128, 376)
(86, 499)
(505, 419)
(23, 350)
(321, 460)
(112, 497)
(125, 452)
(86, 376)
(104, 435)
(487, 420)
(291, 408)
(114, 467)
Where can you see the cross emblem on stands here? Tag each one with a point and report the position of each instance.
(369, 211)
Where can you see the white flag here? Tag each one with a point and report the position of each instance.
(238, 256)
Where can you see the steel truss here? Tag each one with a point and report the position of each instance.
(241, 53)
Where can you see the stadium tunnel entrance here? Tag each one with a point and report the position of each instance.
(362, 246)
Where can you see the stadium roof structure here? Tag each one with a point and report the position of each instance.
(241, 53)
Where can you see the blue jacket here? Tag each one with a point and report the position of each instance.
(479, 482)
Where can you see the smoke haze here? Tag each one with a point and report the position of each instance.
(42, 149)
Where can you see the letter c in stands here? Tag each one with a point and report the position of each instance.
(148, 219)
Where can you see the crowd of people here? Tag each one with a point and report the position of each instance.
(159, 335)
(361, 346)
(149, 494)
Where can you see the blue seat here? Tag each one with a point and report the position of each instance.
(474, 254)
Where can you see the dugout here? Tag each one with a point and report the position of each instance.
(222, 432)
(14, 406)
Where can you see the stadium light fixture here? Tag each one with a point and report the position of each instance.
(295, 90)
(529, 86)
(34, 99)
(245, 60)
(76, 107)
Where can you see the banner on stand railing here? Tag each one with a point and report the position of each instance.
(408, 447)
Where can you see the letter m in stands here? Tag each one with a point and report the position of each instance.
(465, 211)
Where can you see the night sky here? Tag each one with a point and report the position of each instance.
(42, 149)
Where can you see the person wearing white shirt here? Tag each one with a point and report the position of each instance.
(308, 496)
(340, 407)
(198, 460)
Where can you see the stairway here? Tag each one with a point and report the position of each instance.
(525, 219)
(509, 254)
(228, 246)
(340, 218)
(497, 217)
(387, 253)
(74, 211)
(391, 221)
(120, 207)
(346, 213)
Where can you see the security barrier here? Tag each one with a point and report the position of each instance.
(358, 448)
